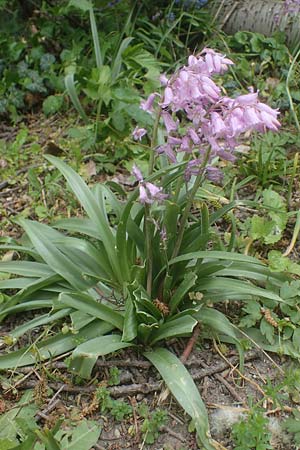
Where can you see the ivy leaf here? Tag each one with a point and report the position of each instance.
(9, 428)
(274, 201)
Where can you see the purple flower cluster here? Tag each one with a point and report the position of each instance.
(208, 119)
(200, 121)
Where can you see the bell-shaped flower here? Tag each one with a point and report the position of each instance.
(218, 126)
(168, 151)
(194, 136)
(168, 97)
(169, 122)
(149, 193)
(163, 80)
(147, 105)
(138, 133)
(215, 62)
(214, 174)
(137, 173)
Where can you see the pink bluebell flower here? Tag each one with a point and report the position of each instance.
(149, 193)
(138, 133)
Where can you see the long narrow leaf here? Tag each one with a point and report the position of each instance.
(182, 386)
(116, 67)
(20, 249)
(26, 268)
(53, 346)
(87, 304)
(221, 325)
(85, 355)
(130, 321)
(230, 285)
(39, 321)
(216, 255)
(27, 306)
(187, 283)
(79, 225)
(179, 327)
(71, 89)
(94, 211)
(95, 36)
(53, 256)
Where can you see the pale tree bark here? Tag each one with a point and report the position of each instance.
(261, 16)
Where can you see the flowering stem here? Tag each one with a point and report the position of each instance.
(191, 196)
(149, 256)
(153, 142)
(179, 182)
(149, 259)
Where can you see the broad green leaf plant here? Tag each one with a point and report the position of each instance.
(155, 275)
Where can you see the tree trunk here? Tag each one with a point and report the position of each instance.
(261, 16)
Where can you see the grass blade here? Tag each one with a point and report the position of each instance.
(116, 67)
(71, 90)
(98, 55)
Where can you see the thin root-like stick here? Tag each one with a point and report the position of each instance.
(256, 385)
(190, 345)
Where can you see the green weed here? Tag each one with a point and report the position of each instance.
(252, 433)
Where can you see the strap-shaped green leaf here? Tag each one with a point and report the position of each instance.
(130, 321)
(56, 260)
(221, 325)
(97, 49)
(93, 210)
(26, 268)
(84, 357)
(87, 304)
(71, 89)
(20, 249)
(116, 67)
(54, 346)
(182, 386)
(38, 321)
(181, 326)
(28, 306)
(216, 255)
(231, 285)
(184, 287)
(78, 225)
